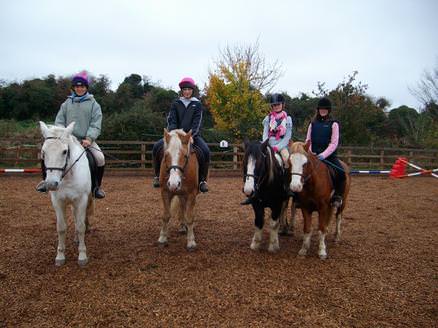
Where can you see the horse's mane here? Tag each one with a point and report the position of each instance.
(254, 149)
(298, 147)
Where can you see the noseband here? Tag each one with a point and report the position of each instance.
(179, 168)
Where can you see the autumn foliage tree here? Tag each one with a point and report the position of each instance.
(234, 90)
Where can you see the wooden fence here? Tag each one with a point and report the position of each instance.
(137, 156)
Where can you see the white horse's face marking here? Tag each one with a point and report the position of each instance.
(174, 152)
(297, 160)
(248, 188)
(54, 152)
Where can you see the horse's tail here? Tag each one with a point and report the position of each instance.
(175, 209)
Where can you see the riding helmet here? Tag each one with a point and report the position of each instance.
(80, 79)
(187, 82)
(324, 103)
(276, 98)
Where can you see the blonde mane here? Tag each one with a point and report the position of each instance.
(298, 147)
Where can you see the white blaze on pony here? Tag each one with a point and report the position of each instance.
(173, 147)
(248, 188)
(69, 181)
(297, 162)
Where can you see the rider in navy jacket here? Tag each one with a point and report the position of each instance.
(323, 134)
(185, 113)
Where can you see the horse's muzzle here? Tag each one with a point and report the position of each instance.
(52, 185)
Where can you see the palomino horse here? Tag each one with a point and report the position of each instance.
(69, 182)
(264, 182)
(179, 183)
(310, 179)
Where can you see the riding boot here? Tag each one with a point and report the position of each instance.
(157, 166)
(41, 187)
(203, 174)
(98, 192)
(339, 186)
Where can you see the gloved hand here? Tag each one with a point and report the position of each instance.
(320, 157)
(275, 149)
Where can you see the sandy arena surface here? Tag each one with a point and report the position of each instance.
(384, 272)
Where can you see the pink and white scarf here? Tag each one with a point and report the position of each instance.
(277, 124)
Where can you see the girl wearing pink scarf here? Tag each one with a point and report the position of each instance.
(277, 127)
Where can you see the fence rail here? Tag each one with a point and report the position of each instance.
(137, 155)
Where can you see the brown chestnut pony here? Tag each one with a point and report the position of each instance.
(179, 183)
(310, 179)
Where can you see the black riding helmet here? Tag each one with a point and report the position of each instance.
(324, 103)
(276, 98)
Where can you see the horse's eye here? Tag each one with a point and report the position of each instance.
(64, 152)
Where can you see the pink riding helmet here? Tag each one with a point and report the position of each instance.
(187, 82)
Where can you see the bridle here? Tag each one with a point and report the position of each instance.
(309, 174)
(258, 179)
(182, 169)
(64, 169)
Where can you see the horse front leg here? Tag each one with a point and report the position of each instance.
(61, 228)
(307, 218)
(190, 219)
(338, 225)
(324, 219)
(80, 213)
(166, 217)
(259, 212)
(274, 244)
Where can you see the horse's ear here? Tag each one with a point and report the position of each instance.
(245, 143)
(68, 129)
(166, 136)
(188, 137)
(44, 129)
(307, 146)
(265, 144)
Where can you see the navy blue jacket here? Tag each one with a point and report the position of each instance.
(321, 135)
(189, 118)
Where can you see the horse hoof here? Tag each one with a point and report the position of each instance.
(273, 249)
(254, 247)
(163, 244)
(285, 233)
(323, 257)
(59, 262)
(83, 262)
(302, 253)
(191, 248)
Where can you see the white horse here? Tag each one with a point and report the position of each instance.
(69, 182)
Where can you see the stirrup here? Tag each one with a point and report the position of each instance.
(336, 201)
(247, 201)
(203, 187)
(156, 182)
(41, 187)
(99, 193)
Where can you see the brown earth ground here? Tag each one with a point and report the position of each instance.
(383, 273)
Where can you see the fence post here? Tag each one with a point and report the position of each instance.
(143, 155)
(235, 149)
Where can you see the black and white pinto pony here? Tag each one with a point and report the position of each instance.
(264, 181)
(69, 182)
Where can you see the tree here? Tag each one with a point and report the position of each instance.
(234, 90)
(427, 89)
(362, 121)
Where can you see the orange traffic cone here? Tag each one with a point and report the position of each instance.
(398, 169)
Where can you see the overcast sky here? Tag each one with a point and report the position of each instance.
(390, 42)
